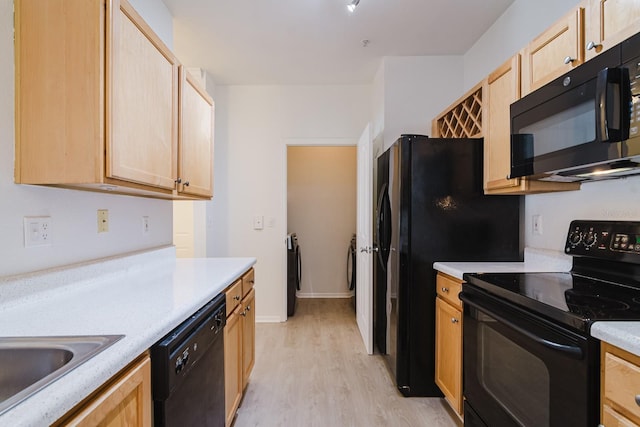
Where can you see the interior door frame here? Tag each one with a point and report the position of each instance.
(299, 142)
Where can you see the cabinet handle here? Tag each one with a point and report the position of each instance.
(445, 289)
(178, 181)
(454, 320)
(569, 60)
(186, 184)
(638, 399)
(248, 308)
(252, 281)
(244, 313)
(237, 298)
(592, 45)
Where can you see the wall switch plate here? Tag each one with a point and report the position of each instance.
(37, 231)
(103, 220)
(258, 222)
(537, 224)
(145, 225)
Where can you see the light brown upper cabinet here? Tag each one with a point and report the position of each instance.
(608, 23)
(554, 52)
(503, 88)
(195, 172)
(97, 103)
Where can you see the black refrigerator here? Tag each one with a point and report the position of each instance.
(430, 207)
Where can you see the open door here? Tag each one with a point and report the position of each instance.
(364, 282)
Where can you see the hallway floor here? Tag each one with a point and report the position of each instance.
(313, 370)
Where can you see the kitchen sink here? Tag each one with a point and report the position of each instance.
(27, 364)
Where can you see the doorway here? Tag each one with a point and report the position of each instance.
(321, 211)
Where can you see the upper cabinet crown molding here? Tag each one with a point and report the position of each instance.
(98, 103)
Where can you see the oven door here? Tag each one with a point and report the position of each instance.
(521, 370)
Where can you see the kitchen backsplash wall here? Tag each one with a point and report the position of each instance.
(606, 200)
(73, 213)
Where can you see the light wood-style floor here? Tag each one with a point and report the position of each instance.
(313, 370)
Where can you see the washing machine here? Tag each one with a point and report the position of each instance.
(294, 272)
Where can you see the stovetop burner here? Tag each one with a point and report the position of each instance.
(604, 283)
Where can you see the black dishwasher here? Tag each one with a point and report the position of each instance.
(187, 370)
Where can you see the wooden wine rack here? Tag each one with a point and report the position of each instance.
(462, 119)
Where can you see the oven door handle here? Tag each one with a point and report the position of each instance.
(570, 350)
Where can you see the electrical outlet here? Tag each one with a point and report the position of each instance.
(37, 231)
(103, 220)
(537, 224)
(145, 225)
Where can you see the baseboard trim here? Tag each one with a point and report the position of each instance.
(325, 295)
(269, 319)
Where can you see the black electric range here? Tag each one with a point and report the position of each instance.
(604, 283)
(529, 359)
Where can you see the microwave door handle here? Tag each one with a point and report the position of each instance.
(570, 350)
(613, 94)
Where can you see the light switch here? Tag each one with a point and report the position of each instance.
(258, 222)
(103, 220)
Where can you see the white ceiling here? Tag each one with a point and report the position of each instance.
(319, 41)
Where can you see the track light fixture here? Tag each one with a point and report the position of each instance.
(352, 5)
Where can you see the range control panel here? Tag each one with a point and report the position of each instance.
(618, 240)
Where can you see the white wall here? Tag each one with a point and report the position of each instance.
(607, 200)
(321, 210)
(412, 91)
(253, 126)
(73, 213)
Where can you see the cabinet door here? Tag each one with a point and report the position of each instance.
(611, 418)
(126, 402)
(449, 353)
(503, 88)
(59, 63)
(248, 335)
(142, 101)
(554, 52)
(609, 22)
(196, 138)
(232, 365)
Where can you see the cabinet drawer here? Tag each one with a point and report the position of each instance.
(611, 418)
(448, 288)
(621, 384)
(234, 295)
(247, 282)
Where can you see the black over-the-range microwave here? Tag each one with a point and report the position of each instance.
(583, 125)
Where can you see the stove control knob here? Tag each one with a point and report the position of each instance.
(590, 239)
(575, 238)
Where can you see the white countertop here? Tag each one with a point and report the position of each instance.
(625, 335)
(535, 260)
(142, 296)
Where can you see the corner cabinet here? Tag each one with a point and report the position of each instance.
(620, 387)
(449, 340)
(124, 401)
(97, 101)
(239, 341)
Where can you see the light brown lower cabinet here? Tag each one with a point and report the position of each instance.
(449, 340)
(620, 387)
(233, 380)
(239, 341)
(123, 401)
